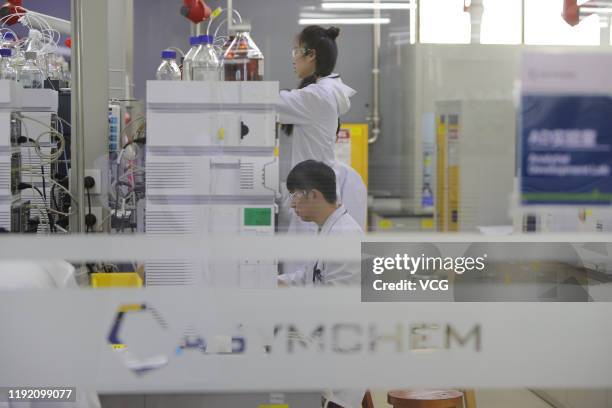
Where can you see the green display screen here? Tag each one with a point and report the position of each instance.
(257, 217)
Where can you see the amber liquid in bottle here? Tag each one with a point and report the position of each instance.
(238, 66)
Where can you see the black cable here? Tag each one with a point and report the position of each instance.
(89, 201)
(53, 199)
(25, 186)
(140, 140)
(42, 171)
(37, 190)
(24, 139)
(88, 229)
(51, 220)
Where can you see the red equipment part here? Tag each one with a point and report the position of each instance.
(571, 12)
(195, 10)
(11, 7)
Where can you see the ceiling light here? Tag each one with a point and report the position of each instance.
(343, 21)
(367, 6)
(596, 10)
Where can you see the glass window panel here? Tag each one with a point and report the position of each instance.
(444, 22)
(501, 22)
(544, 25)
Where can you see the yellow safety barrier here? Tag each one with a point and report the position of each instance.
(352, 147)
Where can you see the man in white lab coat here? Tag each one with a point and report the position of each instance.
(314, 198)
(351, 193)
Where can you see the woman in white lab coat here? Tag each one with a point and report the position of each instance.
(310, 114)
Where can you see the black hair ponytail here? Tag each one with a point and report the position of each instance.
(323, 41)
(333, 32)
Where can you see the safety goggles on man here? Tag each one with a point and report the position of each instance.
(297, 195)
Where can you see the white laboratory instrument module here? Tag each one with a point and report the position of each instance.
(39, 116)
(211, 169)
(14, 211)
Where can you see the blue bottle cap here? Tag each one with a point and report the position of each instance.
(167, 54)
(206, 39)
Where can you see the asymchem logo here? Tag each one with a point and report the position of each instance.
(334, 337)
(137, 365)
(190, 341)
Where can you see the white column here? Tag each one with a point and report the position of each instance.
(89, 99)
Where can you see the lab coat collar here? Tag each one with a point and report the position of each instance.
(332, 220)
(333, 75)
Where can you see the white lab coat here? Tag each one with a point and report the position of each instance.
(313, 111)
(351, 192)
(16, 275)
(339, 222)
(23, 275)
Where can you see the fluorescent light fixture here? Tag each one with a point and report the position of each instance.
(343, 21)
(334, 15)
(593, 3)
(367, 6)
(606, 10)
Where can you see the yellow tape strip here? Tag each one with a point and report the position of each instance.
(216, 13)
(274, 406)
(134, 307)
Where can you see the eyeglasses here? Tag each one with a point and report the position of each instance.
(297, 195)
(299, 52)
